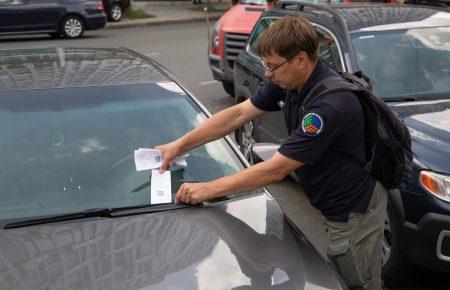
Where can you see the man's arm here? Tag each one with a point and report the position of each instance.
(219, 125)
(254, 177)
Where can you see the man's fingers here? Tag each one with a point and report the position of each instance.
(184, 193)
(178, 195)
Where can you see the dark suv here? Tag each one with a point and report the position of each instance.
(67, 18)
(405, 50)
(115, 8)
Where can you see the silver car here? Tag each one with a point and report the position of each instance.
(75, 213)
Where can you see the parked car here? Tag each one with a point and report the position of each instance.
(75, 213)
(229, 37)
(405, 50)
(115, 8)
(67, 18)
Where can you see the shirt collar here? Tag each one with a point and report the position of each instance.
(317, 73)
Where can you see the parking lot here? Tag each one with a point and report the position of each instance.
(182, 48)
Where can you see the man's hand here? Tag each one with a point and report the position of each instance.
(194, 193)
(169, 151)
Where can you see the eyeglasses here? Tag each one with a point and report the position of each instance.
(272, 70)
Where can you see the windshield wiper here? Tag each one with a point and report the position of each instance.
(399, 99)
(99, 212)
(96, 212)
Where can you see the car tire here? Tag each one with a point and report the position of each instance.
(229, 88)
(396, 269)
(245, 138)
(115, 12)
(72, 27)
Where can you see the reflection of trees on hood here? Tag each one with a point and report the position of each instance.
(127, 253)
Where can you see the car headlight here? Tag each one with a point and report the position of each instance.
(215, 36)
(436, 184)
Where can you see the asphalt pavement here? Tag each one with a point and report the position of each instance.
(169, 12)
(182, 48)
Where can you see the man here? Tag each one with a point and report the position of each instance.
(352, 202)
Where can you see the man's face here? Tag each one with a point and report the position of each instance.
(287, 73)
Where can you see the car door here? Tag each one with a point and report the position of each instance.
(43, 15)
(11, 16)
(269, 127)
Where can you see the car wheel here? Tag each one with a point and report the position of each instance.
(115, 12)
(229, 88)
(396, 269)
(72, 27)
(245, 139)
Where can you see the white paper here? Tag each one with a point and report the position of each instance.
(145, 158)
(161, 189)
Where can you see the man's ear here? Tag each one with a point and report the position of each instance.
(302, 59)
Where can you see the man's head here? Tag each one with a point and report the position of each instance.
(271, 3)
(289, 50)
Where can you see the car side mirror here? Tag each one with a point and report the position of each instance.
(264, 151)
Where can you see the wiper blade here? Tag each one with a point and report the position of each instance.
(96, 212)
(99, 212)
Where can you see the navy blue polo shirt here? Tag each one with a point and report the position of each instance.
(333, 185)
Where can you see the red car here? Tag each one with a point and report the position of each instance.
(229, 38)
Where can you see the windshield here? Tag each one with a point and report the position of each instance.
(68, 150)
(406, 63)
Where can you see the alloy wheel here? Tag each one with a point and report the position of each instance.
(73, 27)
(247, 141)
(116, 13)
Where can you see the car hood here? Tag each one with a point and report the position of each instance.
(241, 18)
(242, 244)
(429, 124)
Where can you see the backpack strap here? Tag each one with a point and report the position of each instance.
(344, 82)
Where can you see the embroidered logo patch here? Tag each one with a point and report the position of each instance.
(312, 124)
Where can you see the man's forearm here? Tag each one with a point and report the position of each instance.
(215, 127)
(251, 178)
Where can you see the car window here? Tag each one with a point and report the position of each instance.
(328, 49)
(11, 2)
(262, 25)
(406, 63)
(72, 149)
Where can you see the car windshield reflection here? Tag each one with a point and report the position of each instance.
(72, 149)
(406, 64)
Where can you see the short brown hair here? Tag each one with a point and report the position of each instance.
(287, 37)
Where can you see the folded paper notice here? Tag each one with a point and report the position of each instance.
(161, 191)
(145, 159)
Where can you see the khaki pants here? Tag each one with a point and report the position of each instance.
(355, 246)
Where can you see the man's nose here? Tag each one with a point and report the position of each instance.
(268, 73)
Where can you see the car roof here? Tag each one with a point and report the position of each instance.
(375, 16)
(46, 68)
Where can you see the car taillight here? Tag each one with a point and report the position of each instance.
(100, 6)
(436, 183)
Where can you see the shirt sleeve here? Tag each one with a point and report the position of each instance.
(267, 97)
(317, 130)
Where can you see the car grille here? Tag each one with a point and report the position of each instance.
(233, 45)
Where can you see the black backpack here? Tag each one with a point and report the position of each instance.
(388, 141)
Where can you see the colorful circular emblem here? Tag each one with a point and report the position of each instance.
(312, 124)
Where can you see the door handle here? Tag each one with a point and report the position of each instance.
(246, 83)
